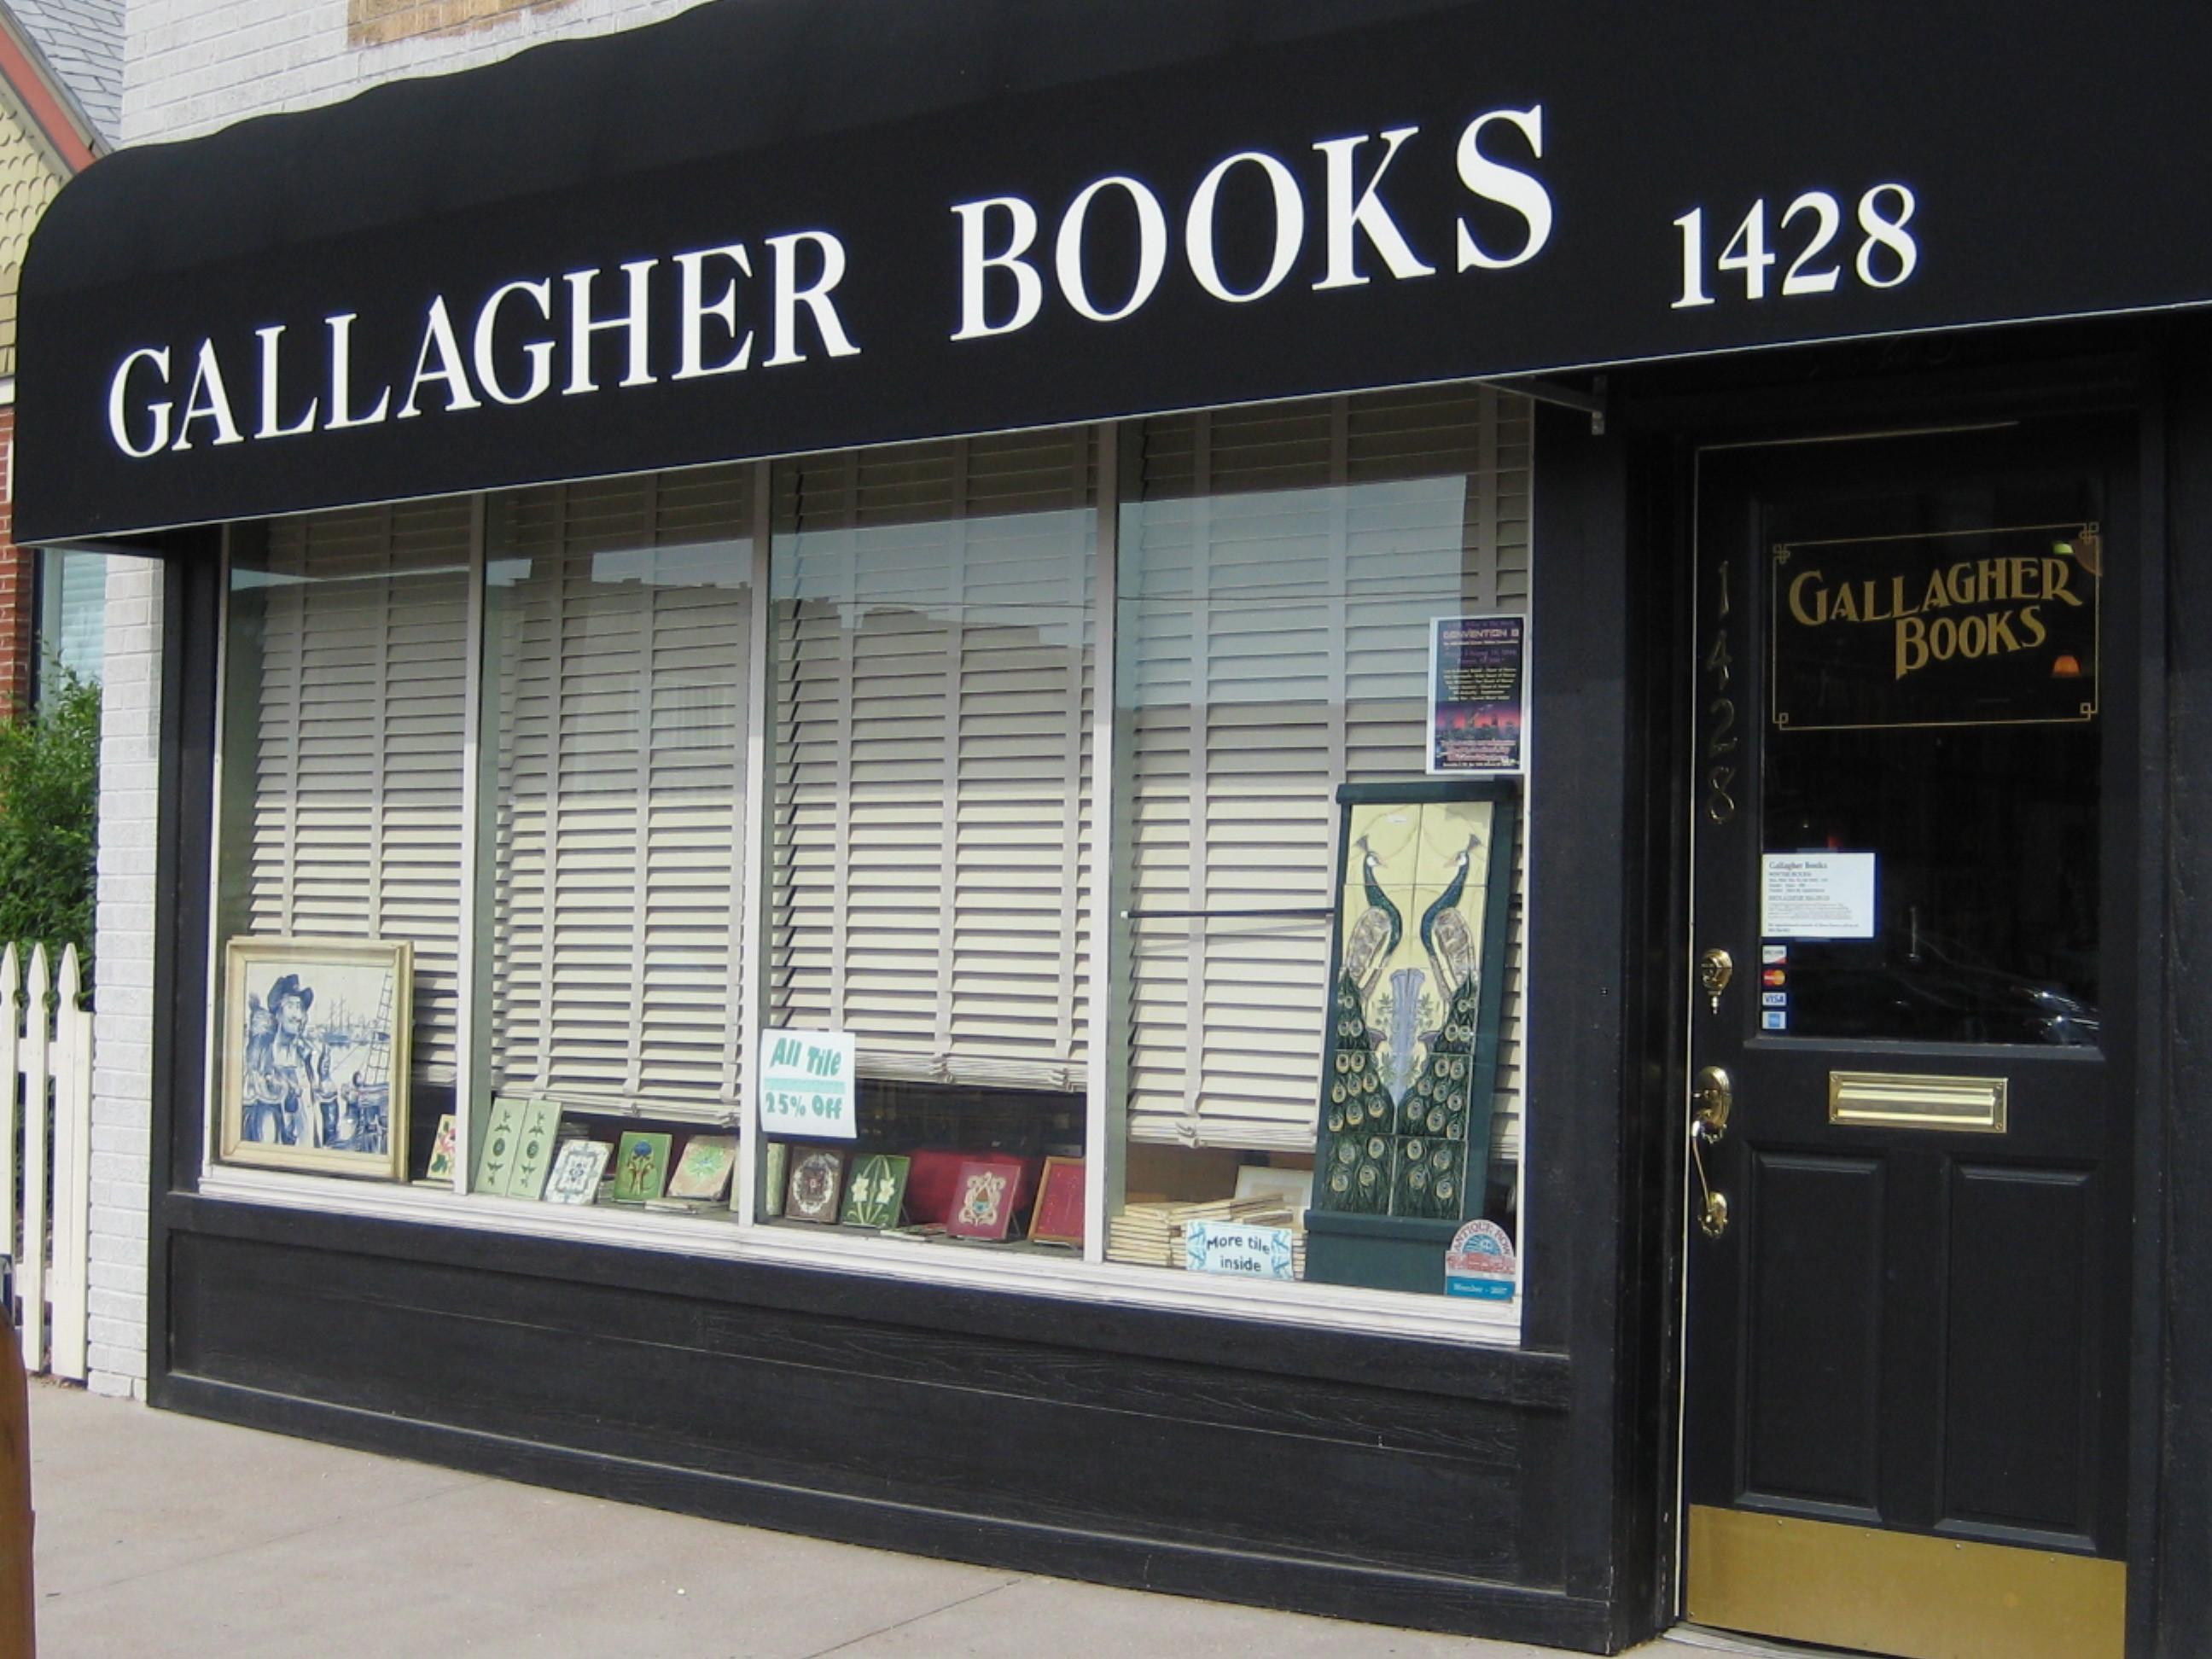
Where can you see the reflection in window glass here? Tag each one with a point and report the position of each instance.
(72, 633)
(1278, 573)
(931, 856)
(928, 828)
(616, 642)
(345, 703)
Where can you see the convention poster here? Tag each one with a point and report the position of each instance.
(1478, 694)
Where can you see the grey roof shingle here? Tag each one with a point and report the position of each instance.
(82, 41)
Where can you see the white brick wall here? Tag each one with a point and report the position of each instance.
(122, 1021)
(190, 66)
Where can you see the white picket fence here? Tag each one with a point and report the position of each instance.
(45, 1124)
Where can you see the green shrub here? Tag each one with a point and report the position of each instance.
(49, 794)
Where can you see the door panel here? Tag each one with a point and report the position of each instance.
(1907, 1321)
(1814, 1397)
(2021, 1243)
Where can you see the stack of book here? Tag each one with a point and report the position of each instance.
(1151, 1235)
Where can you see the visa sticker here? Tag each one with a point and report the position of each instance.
(1774, 999)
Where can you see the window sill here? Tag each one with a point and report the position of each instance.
(1324, 1307)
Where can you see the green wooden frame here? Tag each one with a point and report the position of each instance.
(1401, 1245)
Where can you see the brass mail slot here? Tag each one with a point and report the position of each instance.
(1901, 1100)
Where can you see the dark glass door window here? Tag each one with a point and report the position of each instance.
(1931, 734)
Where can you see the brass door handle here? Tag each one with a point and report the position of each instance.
(1716, 1095)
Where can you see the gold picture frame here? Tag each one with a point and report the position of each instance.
(315, 1050)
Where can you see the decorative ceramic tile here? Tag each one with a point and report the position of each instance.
(818, 1175)
(776, 1173)
(535, 1145)
(640, 1166)
(1452, 831)
(875, 1191)
(576, 1171)
(442, 1151)
(1402, 1037)
(502, 1132)
(703, 1171)
(982, 1200)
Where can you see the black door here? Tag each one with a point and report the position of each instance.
(1907, 1333)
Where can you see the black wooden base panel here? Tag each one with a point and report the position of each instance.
(1423, 1601)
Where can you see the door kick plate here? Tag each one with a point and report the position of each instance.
(1901, 1100)
(1898, 1592)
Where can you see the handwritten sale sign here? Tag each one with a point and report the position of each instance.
(1229, 1247)
(807, 1085)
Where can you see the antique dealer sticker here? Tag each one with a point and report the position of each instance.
(1481, 1263)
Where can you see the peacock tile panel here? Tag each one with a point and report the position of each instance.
(1395, 1094)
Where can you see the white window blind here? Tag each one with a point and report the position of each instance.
(72, 613)
(932, 855)
(617, 636)
(357, 684)
(1278, 581)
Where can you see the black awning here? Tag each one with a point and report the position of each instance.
(848, 222)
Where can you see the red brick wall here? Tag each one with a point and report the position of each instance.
(17, 604)
(373, 22)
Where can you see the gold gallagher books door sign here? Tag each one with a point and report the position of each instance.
(1962, 628)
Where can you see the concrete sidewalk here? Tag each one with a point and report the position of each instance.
(159, 1534)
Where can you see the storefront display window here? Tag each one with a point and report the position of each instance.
(1279, 570)
(930, 844)
(741, 833)
(617, 637)
(72, 628)
(344, 718)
